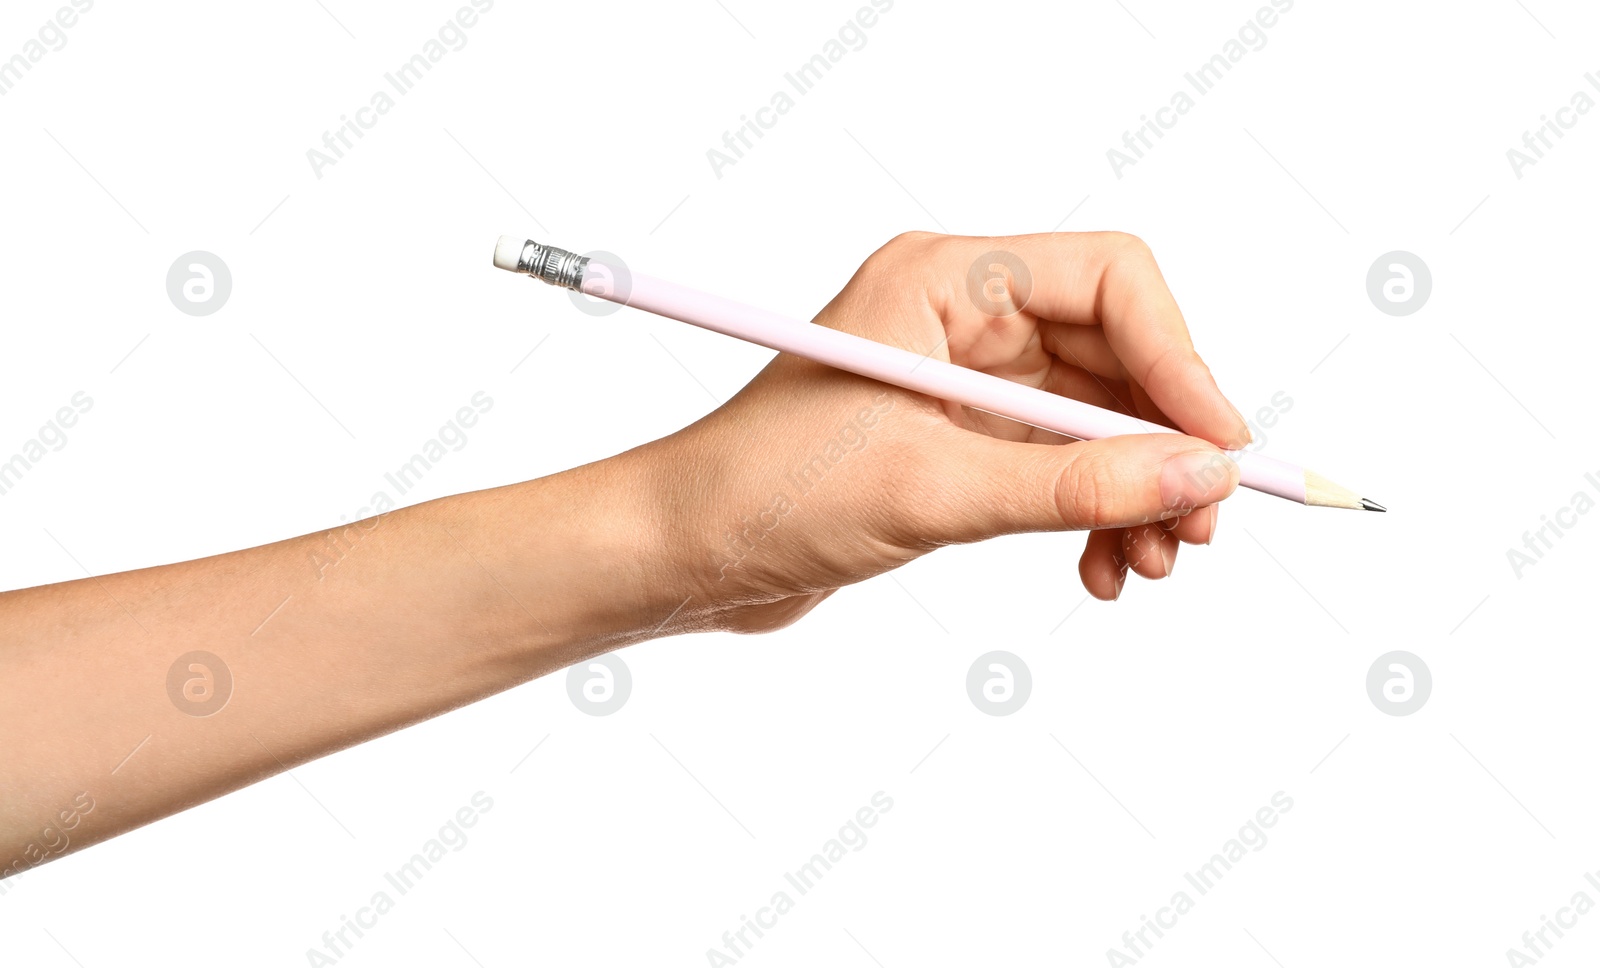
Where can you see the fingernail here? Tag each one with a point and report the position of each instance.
(1215, 514)
(1246, 436)
(1169, 556)
(1122, 579)
(1197, 478)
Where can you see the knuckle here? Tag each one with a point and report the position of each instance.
(906, 245)
(1086, 492)
(903, 265)
(1132, 246)
(1124, 247)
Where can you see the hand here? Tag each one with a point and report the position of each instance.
(811, 478)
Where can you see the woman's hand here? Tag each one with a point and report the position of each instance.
(811, 478)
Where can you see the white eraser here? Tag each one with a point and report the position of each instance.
(508, 251)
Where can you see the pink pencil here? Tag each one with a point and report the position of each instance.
(889, 364)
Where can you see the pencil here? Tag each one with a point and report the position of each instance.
(890, 364)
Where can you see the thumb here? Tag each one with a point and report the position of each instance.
(1004, 487)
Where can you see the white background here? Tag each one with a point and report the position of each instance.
(364, 312)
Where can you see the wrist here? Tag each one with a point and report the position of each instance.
(594, 555)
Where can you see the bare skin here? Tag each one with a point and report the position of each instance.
(808, 480)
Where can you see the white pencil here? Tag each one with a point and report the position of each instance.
(889, 364)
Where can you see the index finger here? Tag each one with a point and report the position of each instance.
(1111, 279)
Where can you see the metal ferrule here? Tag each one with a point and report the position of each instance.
(558, 267)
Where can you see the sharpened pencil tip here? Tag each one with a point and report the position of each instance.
(1372, 505)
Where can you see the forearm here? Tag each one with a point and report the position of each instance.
(329, 639)
(808, 480)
